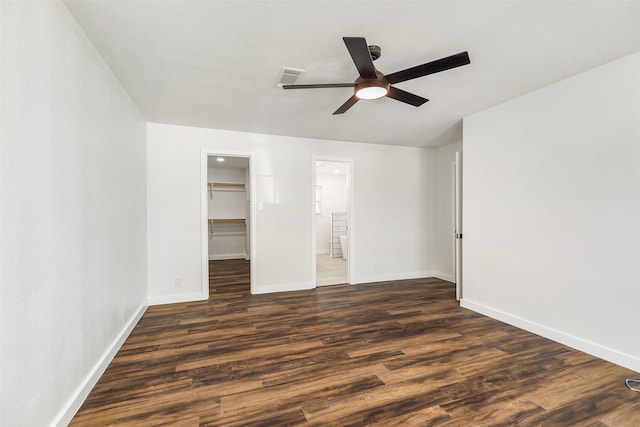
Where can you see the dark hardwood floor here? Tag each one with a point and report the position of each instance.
(395, 354)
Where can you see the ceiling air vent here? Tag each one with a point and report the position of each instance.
(288, 76)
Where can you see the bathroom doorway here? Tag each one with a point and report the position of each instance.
(228, 244)
(331, 219)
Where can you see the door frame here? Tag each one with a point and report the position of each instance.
(350, 213)
(204, 223)
(457, 217)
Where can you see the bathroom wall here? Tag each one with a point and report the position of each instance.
(334, 199)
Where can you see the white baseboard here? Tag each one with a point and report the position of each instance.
(227, 256)
(284, 288)
(594, 349)
(176, 298)
(443, 276)
(65, 416)
(391, 276)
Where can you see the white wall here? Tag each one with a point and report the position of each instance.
(552, 211)
(443, 255)
(229, 175)
(392, 212)
(72, 218)
(334, 199)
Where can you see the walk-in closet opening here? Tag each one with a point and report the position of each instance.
(228, 225)
(331, 222)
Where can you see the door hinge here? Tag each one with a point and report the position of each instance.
(458, 236)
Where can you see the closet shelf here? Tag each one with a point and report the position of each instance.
(237, 185)
(227, 221)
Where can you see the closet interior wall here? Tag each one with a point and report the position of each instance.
(228, 206)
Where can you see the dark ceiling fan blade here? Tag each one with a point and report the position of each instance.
(406, 97)
(344, 107)
(359, 51)
(318, 86)
(453, 61)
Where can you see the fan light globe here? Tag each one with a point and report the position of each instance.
(372, 90)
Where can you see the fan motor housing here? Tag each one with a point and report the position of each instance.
(379, 78)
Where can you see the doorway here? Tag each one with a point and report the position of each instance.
(331, 221)
(228, 218)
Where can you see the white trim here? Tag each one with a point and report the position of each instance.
(204, 222)
(614, 356)
(392, 276)
(444, 276)
(204, 232)
(228, 256)
(351, 215)
(314, 222)
(68, 411)
(176, 298)
(285, 288)
(459, 224)
(454, 221)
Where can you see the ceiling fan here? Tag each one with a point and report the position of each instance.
(372, 84)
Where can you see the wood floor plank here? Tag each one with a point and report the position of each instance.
(399, 353)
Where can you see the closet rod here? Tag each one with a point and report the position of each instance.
(226, 184)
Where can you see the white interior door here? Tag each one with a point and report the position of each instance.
(458, 223)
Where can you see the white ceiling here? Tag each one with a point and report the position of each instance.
(214, 63)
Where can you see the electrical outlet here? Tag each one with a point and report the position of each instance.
(178, 282)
